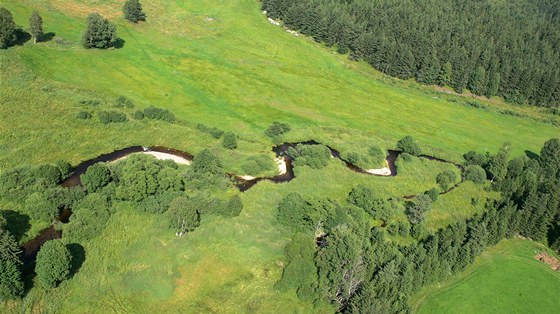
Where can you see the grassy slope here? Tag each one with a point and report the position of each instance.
(505, 279)
(240, 73)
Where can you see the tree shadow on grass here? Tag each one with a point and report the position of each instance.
(119, 43)
(531, 154)
(78, 257)
(47, 37)
(21, 37)
(17, 224)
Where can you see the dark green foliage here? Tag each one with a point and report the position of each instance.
(294, 212)
(206, 170)
(497, 164)
(489, 47)
(406, 157)
(89, 217)
(138, 115)
(155, 113)
(408, 145)
(446, 178)
(84, 115)
(415, 210)
(100, 33)
(36, 26)
(473, 158)
(133, 11)
(229, 140)
(549, 159)
(404, 228)
(365, 198)
(393, 229)
(314, 156)
(300, 272)
(111, 116)
(183, 215)
(54, 262)
(476, 174)
(9, 248)
(96, 177)
(11, 285)
(159, 203)
(7, 28)
(215, 132)
(433, 194)
(123, 102)
(232, 207)
(40, 207)
(354, 158)
(277, 129)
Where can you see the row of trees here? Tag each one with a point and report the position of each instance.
(506, 49)
(336, 256)
(8, 28)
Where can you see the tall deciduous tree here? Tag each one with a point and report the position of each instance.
(7, 28)
(133, 11)
(36, 26)
(100, 33)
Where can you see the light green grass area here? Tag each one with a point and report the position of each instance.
(222, 64)
(504, 279)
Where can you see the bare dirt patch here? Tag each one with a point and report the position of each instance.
(549, 260)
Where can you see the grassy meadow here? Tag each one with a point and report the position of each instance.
(504, 279)
(223, 64)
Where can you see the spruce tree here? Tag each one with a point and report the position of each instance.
(133, 11)
(7, 28)
(445, 74)
(36, 26)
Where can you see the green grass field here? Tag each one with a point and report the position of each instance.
(504, 279)
(222, 64)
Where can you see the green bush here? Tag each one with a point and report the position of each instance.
(11, 285)
(96, 177)
(404, 228)
(7, 28)
(365, 198)
(408, 145)
(54, 262)
(111, 116)
(215, 132)
(90, 102)
(446, 178)
(473, 158)
(377, 154)
(133, 11)
(40, 207)
(393, 229)
(84, 115)
(406, 157)
(232, 208)
(89, 217)
(229, 141)
(475, 174)
(277, 129)
(155, 113)
(138, 115)
(183, 215)
(123, 102)
(354, 158)
(433, 194)
(314, 156)
(100, 33)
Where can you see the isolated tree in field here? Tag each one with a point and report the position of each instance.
(7, 28)
(100, 33)
(54, 261)
(36, 26)
(229, 141)
(133, 11)
(183, 215)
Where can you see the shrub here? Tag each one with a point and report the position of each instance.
(107, 117)
(183, 215)
(446, 178)
(473, 158)
(232, 208)
(276, 129)
(215, 132)
(100, 33)
(123, 102)
(53, 264)
(250, 167)
(365, 198)
(83, 115)
(40, 207)
(90, 102)
(354, 158)
(475, 173)
(49, 173)
(433, 194)
(293, 211)
(406, 157)
(404, 228)
(416, 210)
(314, 156)
(408, 145)
(229, 141)
(89, 218)
(138, 115)
(393, 229)
(155, 113)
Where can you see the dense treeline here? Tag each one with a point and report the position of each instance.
(506, 48)
(336, 255)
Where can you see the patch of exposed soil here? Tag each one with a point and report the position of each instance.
(549, 260)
